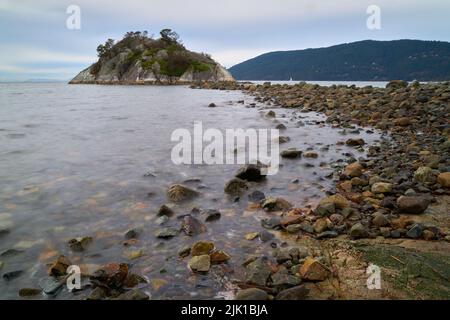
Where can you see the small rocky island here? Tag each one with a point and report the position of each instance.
(140, 59)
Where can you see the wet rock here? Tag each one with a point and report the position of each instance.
(313, 270)
(415, 232)
(252, 294)
(200, 263)
(256, 196)
(235, 187)
(412, 205)
(51, 285)
(134, 254)
(250, 172)
(444, 179)
(295, 293)
(212, 105)
(311, 154)
(283, 139)
(135, 294)
(355, 142)
(271, 114)
(294, 228)
(358, 231)
(3, 231)
(97, 294)
(325, 209)
(252, 235)
(271, 223)
(59, 267)
(29, 292)
(424, 175)
(291, 153)
(8, 276)
(178, 193)
(184, 252)
(191, 226)
(211, 215)
(132, 234)
(381, 187)
(291, 219)
(161, 220)
(281, 127)
(353, 170)
(219, 256)
(112, 276)
(276, 204)
(339, 201)
(167, 233)
(165, 210)
(321, 225)
(257, 272)
(282, 280)
(202, 248)
(80, 244)
(282, 255)
(265, 236)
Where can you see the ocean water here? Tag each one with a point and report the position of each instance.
(86, 160)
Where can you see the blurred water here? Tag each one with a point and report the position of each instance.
(81, 160)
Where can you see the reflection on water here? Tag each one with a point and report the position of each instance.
(95, 161)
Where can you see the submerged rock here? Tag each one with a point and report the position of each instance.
(202, 248)
(29, 292)
(235, 187)
(250, 172)
(291, 153)
(80, 244)
(201, 263)
(167, 233)
(112, 276)
(191, 226)
(178, 192)
(219, 256)
(59, 267)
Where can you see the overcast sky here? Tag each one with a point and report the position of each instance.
(35, 42)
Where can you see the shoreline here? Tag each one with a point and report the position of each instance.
(309, 252)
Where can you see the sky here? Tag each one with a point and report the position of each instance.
(35, 42)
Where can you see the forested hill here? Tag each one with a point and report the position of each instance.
(358, 61)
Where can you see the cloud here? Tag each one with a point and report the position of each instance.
(34, 36)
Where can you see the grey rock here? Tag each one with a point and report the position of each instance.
(252, 294)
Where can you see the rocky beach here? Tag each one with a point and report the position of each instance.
(390, 208)
(374, 190)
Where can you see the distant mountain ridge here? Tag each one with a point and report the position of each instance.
(366, 60)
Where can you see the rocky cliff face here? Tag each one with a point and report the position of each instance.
(138, 59)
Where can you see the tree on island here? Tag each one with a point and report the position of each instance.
(169, 36)
(104, 49)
